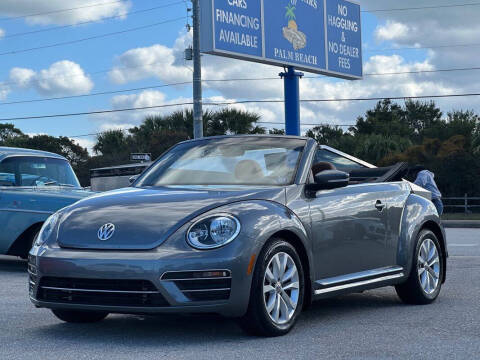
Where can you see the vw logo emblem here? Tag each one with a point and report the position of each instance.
(106, 231)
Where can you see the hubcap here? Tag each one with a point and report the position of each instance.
(281, 288)
(428, 266)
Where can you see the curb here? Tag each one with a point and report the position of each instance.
(472, 224)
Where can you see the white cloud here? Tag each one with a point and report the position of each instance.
(128, 119)
(83, 10)
(22, 77)
(155, 61)
(391, 31)
(61, 78)
(85, 143)
(2, 33)
(4, 91)
(433, 27)
(166, 64)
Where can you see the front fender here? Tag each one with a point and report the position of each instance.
(259, 221)
(417, 213)
(262, 219)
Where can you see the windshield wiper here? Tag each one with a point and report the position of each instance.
(53, 182)
(50, 183)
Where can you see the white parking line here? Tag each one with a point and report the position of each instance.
(462, 244)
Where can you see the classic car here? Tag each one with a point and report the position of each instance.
(250, 227)
(33, 185)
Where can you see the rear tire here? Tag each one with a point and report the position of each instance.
(74, 316)
(277, 292)
(425, 280)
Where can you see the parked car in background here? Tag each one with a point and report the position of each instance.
(115, 177)
(253, 227)
(33, 185)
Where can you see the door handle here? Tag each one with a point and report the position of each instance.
(379, 205)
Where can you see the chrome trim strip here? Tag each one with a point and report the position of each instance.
(207, 278)
(28, 211)
(184, 271)
(349, 157)
(31, 273)
(360, 275)
(359, 283)
(208, 290)
(100, 291)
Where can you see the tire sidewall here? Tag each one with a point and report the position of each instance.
(427, 234)
(271, 249)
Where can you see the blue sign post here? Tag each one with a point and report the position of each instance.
(319, 36)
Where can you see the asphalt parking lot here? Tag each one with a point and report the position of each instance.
(371, 325)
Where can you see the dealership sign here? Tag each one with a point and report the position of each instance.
(319, 36)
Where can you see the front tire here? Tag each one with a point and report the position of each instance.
(425, 280)
(277, 293)
(74, 316)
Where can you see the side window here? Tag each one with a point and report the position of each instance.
(35, 171)
(7, 173)
(340, 162)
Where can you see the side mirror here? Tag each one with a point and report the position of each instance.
(132, 179)
(329, 179)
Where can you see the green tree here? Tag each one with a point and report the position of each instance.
(114, 144)
(8, 132)
(233, 121)
(275, 131)
(476, 140)
(422, 115)
(375, 147)
(386, 119)
(457, 123)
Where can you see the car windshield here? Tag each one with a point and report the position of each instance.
(36, 171)
(227, 161)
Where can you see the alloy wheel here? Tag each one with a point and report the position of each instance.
(281, 288)
(428, 266)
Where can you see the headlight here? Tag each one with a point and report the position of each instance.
(47, 229)
(213, 232)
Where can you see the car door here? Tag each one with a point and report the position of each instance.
(349, 230)
(349, 225)
(20, 206)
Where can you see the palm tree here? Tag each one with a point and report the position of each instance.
(290, 15)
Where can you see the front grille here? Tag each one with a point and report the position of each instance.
(100, 292)
(99, 284)
(198, 287)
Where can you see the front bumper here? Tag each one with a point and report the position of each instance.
(141, 282)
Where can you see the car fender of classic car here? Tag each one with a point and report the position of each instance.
(25, 201)
(254, 227)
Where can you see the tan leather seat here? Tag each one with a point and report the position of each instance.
(248, 171)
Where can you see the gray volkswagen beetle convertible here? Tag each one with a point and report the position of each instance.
(251, 227)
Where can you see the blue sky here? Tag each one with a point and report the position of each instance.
(21, 76)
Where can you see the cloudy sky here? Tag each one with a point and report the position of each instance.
(96, 55)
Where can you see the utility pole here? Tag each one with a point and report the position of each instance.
(197, 74)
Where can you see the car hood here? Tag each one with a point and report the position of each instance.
(53, 191)
(145, 217)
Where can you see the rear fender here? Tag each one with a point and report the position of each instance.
(419, 213)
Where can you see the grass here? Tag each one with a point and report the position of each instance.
(461, 216)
